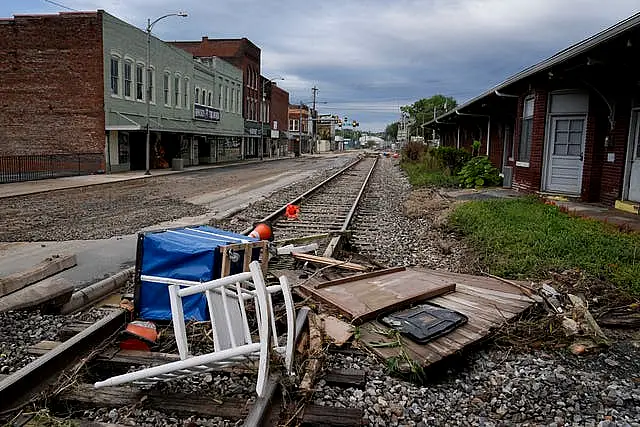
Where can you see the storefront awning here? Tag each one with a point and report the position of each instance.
(133, 122)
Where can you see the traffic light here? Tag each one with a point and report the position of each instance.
(355, 124)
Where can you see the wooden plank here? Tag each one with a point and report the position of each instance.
(346, 377)
(246, 259)
(476, 281)
(226, 265)
(330, 261)
(316, 353)
(359, 277)
(85, 395)
(485, 306)
(502, 297)
(53, 291)
(315, 415)
(365, 299)
(144, 358)
(42, 347)
(44, 269)
(482, 309)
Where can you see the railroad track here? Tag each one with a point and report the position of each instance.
(327, 209)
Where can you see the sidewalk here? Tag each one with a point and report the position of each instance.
(40, 186)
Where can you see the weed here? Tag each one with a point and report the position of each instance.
(523, 238)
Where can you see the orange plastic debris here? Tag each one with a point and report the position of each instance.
(262, 231)
(292, 211)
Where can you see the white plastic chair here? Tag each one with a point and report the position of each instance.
(233, 343)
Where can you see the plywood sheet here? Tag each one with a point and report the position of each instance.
(487, 302)
(364, 299)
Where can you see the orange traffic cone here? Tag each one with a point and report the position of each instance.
(262, 231)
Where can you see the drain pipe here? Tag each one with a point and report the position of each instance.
(488, 125)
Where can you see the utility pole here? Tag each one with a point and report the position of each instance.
(300, 132)
(314, 89)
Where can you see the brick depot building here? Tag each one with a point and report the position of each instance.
(569, 125)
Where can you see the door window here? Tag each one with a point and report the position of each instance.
(568, 135)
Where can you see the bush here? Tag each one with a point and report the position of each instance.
(479, 172)
(452, 158)
(413, 151)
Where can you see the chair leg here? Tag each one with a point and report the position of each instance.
(291, 316)
(177, 316)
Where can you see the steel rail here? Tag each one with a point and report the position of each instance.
(335, 241)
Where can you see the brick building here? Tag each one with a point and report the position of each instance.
(74, 96)
(299, 129)
(568, 125)
(51, 92)
(245, 55)
(278, 120)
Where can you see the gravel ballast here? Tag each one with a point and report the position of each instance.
(488, 386)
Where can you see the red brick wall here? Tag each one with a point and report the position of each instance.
(279, 108)
(612, 173)
(51, 85)
(242, 53)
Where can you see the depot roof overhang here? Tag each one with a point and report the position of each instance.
(568, 54)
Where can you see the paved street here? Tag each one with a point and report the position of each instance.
(99, 223)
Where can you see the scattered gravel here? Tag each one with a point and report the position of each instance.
(20, 329)
(383, 230)
(494, 387)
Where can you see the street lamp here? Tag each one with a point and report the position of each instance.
(149, 27)
(262, 116)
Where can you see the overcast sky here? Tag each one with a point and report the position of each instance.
(369, 57)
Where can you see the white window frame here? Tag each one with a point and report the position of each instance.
(520, 162)
(151, 84)
(226, 96)
(238, 100)
(209, 98)
(120, 68)
(177, 91)
(142, 83)
(197, 95)
(187, 93)
(131, 62)
(166, 89)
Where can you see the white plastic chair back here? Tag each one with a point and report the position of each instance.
(227, 300)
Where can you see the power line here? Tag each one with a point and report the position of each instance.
(60, 5)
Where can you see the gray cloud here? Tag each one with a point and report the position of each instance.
(368, 57)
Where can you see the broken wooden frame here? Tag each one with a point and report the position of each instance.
(233, 343)
(247, 248)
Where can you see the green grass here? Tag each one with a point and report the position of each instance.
(427, 173)
(523, 237)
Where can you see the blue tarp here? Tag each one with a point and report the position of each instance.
(184, 253)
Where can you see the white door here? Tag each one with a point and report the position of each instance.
(565, 154)
(634, 178)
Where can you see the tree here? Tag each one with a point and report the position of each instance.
(421, 111)
(391, 131)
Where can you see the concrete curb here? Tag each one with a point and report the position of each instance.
(92, 293)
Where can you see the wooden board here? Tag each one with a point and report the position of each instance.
(46, 268)
(488, 303)
(315, 415)
(85, 395)
(362, 300)
(53, 291)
